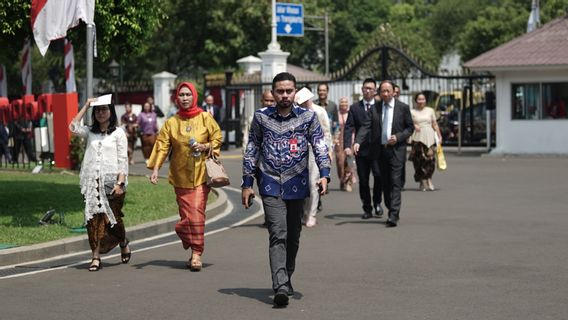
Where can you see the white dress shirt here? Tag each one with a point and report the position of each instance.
(388, 110)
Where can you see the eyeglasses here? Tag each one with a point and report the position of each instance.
(368, 89)
(185, 94)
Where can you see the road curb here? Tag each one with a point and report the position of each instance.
(40, 251)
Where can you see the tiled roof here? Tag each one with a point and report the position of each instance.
(545, 46)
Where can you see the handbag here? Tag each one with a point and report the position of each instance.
(216, 175)
(440, 158)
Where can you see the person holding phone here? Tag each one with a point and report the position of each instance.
(103, 180)
(189, 135)
(278, 144)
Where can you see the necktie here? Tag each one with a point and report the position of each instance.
(367, 106)
(386, 124)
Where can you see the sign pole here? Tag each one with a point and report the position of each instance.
(326, 21)
(325, 31)
(273, 45)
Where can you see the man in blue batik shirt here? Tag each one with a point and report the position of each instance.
(278, 147)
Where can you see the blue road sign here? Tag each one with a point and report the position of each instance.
(289, 19)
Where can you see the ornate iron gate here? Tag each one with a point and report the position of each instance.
(463, 102)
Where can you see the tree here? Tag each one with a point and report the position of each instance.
(494, 26)
(123, 28)
(500, 22)
(448, 19)
(205, 35)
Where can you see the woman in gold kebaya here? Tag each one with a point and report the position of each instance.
(189, 134)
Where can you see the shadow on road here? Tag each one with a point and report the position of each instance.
(260, 294)
(174, 264)
(350, 218)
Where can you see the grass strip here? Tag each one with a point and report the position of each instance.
(25, 198)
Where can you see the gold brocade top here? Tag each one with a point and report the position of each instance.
(186, 171)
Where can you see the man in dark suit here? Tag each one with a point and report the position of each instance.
(386, 131)
(213, 109)
(358, 114)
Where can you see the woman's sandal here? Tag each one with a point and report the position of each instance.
(125, 257)
(194, 264)
(96, 267)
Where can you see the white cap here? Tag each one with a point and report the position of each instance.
(303, 95)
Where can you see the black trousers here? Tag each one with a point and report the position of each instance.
(365, 166)
(284, 219)
(391, 173)
(27, 144)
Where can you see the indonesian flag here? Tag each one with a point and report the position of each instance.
(69, 68)
(52, 18)
(26, 67)
(3, 82)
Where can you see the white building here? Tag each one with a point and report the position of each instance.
(531, 76)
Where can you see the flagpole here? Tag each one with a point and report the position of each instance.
(89, 91)
(89, 61)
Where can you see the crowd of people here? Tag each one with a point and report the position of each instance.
(109, 151)
(289, 150)
(293, 146)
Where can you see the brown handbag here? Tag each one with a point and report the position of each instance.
(216, 175)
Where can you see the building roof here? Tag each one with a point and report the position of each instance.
(545, 46)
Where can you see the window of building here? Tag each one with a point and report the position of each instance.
(537, 101)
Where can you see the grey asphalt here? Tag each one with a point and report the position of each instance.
(490, 243)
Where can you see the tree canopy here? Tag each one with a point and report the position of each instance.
(190, 36)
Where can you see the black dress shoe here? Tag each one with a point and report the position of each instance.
(290, 289)
(379, 211)
(281, 297)
(390, 224)
(367, 215)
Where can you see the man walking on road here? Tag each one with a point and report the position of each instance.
(329, 106)
(278, 145)
(385, 132)
(358, 114)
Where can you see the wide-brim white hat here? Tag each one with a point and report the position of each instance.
(303, 95)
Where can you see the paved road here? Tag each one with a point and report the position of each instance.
(489, 244)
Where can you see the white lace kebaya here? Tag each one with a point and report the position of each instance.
(105, 158)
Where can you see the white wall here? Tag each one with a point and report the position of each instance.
(528, 136)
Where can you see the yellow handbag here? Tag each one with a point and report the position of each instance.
(440, 158)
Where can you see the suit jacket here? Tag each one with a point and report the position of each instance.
(216, 112)
(355, 120)
(402, 127)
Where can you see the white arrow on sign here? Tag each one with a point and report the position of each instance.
(288, 28)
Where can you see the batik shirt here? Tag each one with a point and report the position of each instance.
(277, 152)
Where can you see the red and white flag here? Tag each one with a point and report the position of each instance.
(69, 68)
(26, 67)
(52, 18)
(3, 82)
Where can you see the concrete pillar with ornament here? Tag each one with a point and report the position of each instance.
(274, 59)
(249, 65)
(164, 83)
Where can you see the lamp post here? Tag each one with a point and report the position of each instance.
(114, 69)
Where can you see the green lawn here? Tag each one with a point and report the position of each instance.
(25, 197)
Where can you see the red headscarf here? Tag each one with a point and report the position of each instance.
(193, 110)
